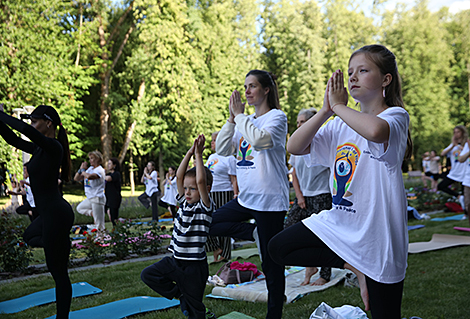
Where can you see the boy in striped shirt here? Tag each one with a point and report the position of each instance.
(183, 275)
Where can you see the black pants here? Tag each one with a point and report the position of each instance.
(114, 213)
(229, 220)
(185, 280)
(172, 208)
(25, 209)
(146, 200)
(444, 186)
(298, 246)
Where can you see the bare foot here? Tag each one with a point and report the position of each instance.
(319, 282)
(309, 272)
(217, 254)
(362, 285)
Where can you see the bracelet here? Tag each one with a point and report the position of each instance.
(81, 170)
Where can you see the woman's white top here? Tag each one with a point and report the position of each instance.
(260, 147)
(466, 178)
(29, 193)
(95, 187)
(367, 226)
(170, 192)
(222, 167)
(313, 180)
(457, 171)
(151, 184)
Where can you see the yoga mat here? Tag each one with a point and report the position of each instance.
(242, 253)
(124, 308)
(236, 315)
(44, 297)
(462, 228)
(257, 291)
(415, 227)
(438, 241)
(441, 219)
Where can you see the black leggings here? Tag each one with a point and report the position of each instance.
(172, 208)
(444, 186)
(114, 214)
(298, 246)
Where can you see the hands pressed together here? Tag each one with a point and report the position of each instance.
(235, 106)
(335, 93)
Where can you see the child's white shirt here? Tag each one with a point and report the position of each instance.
(367, 227)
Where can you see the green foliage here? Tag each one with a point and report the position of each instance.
(15, 255)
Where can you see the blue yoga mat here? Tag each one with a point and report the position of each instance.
(441, 219)
(44, 297)
(124, 308)
(415, 227)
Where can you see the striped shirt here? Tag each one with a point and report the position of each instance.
(190, 230)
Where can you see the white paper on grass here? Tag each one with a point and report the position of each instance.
(324, 311)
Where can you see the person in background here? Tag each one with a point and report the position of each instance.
(93, 182)
(312, 195)
(152, 192)
(113, 189)
(169, 197)
(224, 189)
(29, 206)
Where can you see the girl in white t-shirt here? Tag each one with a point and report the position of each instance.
(152, 193)
(259, 142)
(169, 191)
(366, 230)
(457, 171)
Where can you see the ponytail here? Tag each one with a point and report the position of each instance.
(66, 162)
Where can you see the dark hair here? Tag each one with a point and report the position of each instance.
(192, 173)
(386, 61)
(153, 163)
(117, 166)
(267, 80)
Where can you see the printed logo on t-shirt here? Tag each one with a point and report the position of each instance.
(244, 153)
(456, 155)
(212, 163)
(86, 183)
(347, 156)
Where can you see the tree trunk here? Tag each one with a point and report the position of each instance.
(131, 174)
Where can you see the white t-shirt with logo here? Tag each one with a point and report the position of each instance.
(466, 178)
(367, 226)
(261, 167)
(313, 180)
(222, 167)
(29, 194)
(171, 192)
(457, 171)
(151, 185)
(95, 187)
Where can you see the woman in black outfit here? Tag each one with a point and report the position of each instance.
(113, 189)
(50, 156)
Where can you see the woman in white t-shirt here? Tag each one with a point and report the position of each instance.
(93, 182)
(258, 140)
(170, 191)
(366, 230)
(465, 159)
(457, 171)
(152, 190)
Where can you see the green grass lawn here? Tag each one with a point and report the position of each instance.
(436, 286)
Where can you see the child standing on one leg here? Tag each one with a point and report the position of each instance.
(184, 275)
(366, 229)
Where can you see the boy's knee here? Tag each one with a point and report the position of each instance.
(145, 275)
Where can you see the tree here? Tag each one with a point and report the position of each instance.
(424, 64)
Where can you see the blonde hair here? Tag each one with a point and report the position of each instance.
(98, 156)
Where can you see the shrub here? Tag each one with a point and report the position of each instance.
(15, 255)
